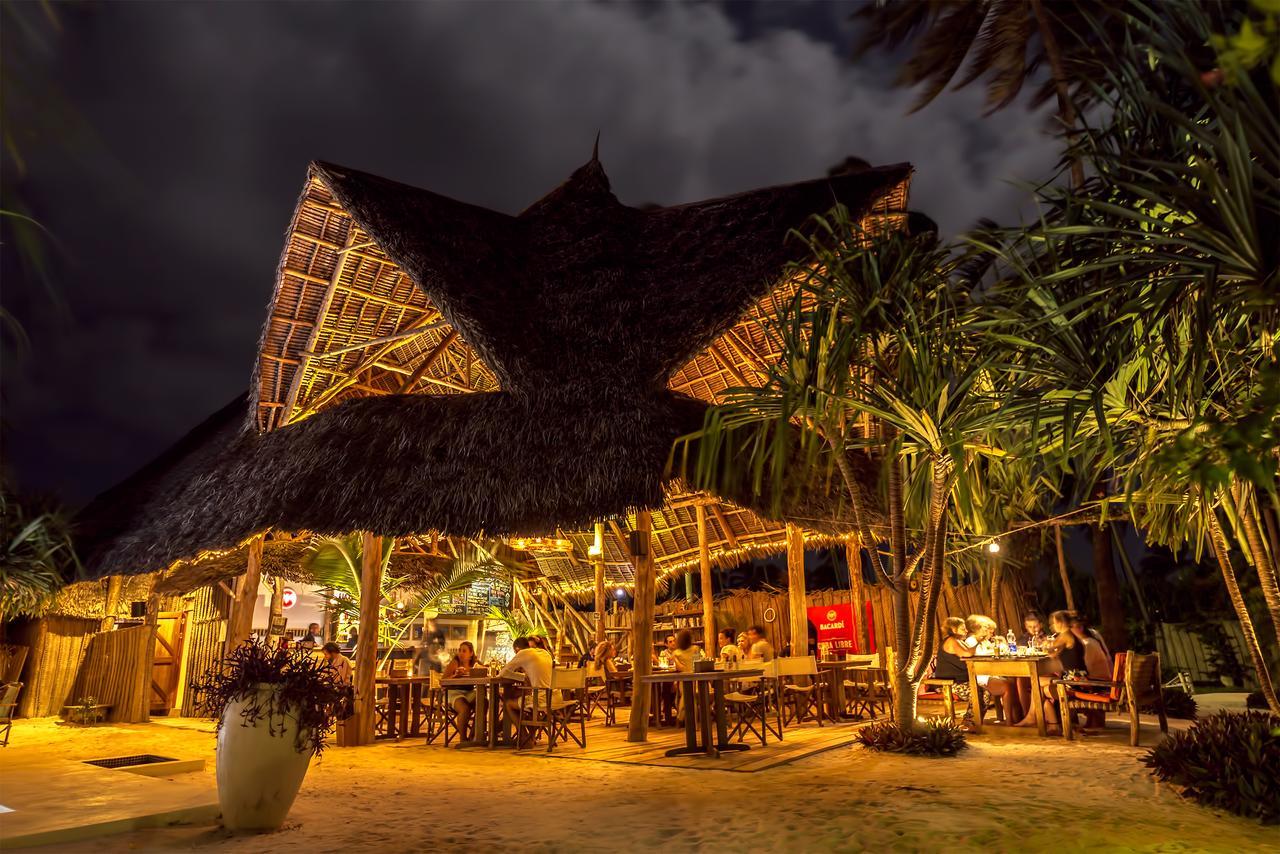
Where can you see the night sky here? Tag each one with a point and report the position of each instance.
(170, 180)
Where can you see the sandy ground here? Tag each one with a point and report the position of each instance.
(1024, 795)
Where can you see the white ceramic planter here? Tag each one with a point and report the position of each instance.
(259, 773)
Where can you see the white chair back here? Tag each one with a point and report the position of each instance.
(568, 680)
(872, 660)
(797, 665)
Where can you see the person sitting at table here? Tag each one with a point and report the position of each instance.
(1069, 652)
(1097, 658)
(463, 701)
(981, 629)
(312, 638)
(662, 655)
(532, 665)
(730, 652)
(950, 664)
(759, 648)
(1033, 635)
(339, 663)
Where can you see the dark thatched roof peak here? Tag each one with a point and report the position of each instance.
(582, 307)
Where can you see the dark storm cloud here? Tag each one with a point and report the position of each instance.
(208, 113)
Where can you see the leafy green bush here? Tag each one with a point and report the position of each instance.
(936, 737)
(1230, 760)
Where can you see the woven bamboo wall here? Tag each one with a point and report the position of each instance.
(116, 670)
(205, 631)
(56, 647)
(742, 608)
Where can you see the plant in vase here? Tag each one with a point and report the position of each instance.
(275, 709)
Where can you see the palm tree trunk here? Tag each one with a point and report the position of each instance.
(1262, 561)
(1062, 568)
(1110, 609)
(1219, 542)
(1066, 109)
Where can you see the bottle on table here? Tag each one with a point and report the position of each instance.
(1013, 642)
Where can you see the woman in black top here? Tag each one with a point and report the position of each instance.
(1069, 650)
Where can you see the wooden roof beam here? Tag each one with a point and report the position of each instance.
(725, 528)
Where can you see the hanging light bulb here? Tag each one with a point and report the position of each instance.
(993, 547)
(620, 593)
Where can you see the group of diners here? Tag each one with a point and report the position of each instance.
(531, 665)
(679, 651)
(1076, 649)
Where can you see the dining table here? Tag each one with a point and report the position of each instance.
(487, 708)
(404, 704)
(1012, 667)
(704, 709)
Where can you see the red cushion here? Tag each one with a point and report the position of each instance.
(1092, 698)
(930, 695)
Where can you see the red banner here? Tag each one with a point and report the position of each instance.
(837, 631)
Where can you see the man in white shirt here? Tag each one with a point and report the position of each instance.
(531, 664)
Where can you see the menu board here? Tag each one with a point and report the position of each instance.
(477, 599)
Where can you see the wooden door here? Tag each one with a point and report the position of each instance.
(170, 631)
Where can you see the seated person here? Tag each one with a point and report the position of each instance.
(951, 655)
(662, 656)
(730, 652)
(981, 630)
(685, 653)
(1033, 635)
(1069, 650)
(600, 662)
(759, 648)
(338, 662)
(460, 665)
(530, 664)
(1097, 658)
(312, 638)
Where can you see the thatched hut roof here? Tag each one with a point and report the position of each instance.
(428, 365)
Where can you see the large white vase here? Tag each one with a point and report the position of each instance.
(259, 772)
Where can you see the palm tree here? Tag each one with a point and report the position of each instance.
(878, 359)
(404, 601)
(1004, 41)
(37, 555)
(1169, 254)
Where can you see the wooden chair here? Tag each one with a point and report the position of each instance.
(751, 708)
(801, 690)
(552, 710)
(868, 693)
(443, 718)
(1135, 683)
(599, 694)
(8, 702)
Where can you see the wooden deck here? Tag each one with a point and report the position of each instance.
(609, 744)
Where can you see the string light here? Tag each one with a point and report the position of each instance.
(993, 546)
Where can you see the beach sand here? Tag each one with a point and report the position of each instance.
(1002, 794)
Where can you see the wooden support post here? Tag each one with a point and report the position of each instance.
(367, 644)
(857, 593)
(240, 620)
(710, 645)
(796, 591)
(275, 608)
(114, 583)
(597, 565)
(642, 630)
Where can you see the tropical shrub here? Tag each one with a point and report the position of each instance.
(935, 737)
(36, 554)
(305, 686)
(1229, 760)
(1177, 704)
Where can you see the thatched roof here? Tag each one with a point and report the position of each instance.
(428, 365)
(284, 559)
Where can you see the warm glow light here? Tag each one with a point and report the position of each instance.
(993, 547)
(594, 550)
(620, 593)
